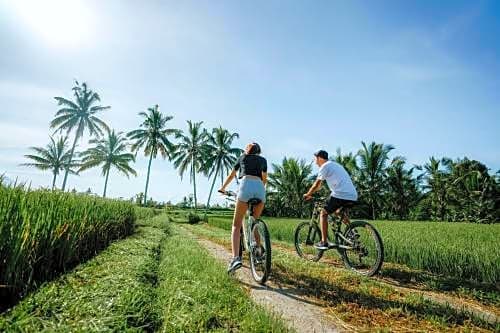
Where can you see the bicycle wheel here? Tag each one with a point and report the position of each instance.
(361, 248)
(306, 235)
(260, 251)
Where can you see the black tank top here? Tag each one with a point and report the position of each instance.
(251, 165)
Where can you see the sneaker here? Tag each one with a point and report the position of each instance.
(322, 245)
(234, 264)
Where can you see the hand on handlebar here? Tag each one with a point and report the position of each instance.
(307, 196)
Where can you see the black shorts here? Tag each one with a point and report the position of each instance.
(332, 204)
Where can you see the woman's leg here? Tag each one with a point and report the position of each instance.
(257, 211)
(239, 214)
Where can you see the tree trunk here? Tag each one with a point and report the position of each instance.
(70, 160)
(212, 187)
(194, 183)
(147, 179)
(54, 180)
(106, 183)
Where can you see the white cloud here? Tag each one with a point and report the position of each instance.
(17, 136)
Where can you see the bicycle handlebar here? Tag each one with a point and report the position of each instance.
(228, 193)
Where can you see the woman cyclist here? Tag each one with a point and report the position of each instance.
(253, 171)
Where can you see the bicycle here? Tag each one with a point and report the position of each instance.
(253, 232)
(359, 244)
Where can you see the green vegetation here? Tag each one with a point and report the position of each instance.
(114, 291)
(43, 233)
(461, 250)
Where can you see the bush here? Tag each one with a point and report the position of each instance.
(193, 218)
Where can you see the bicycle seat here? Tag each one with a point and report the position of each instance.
(254, 201)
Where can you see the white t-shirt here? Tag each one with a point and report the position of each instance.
(338, 181)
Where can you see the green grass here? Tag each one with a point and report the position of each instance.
(115, 291)
(43, 233)
(157, 280)
(460, 250)
(362, 302)
(197, 295)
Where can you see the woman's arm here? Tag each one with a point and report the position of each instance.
(264, 178)
(229, 179)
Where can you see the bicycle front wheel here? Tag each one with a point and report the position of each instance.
(306, 235)
(260, 251)
(361, 248)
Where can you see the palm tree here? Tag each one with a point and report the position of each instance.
(348, 161)
(108, 152)
(54, 157)
(437, 185)
(80, 115)
(290, 181)
(153, 136)
(222, 156)
(372, 170)
(402, 189)
(190, 152)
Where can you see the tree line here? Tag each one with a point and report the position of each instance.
(441, 189)
(195, 151)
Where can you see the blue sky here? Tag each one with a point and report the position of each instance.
(294, 76)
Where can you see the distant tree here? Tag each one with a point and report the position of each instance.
(402, 193)
(153, 137)
(288, 182)
(110, 151)
(372, 174)
(80, 115)
(190, 153)
(54, 157)
(221, 156)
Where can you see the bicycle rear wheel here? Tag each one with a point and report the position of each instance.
(306, 235)
(260, 251)
(361, 248)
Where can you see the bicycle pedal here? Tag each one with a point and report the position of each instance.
(332, 246)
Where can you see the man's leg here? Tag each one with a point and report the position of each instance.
(324, 225)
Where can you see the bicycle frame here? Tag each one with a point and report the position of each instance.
(335, 224)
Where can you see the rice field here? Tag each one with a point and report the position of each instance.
(43, 233)
(461, 250)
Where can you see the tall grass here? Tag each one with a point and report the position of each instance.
(460, 250)
(43, 233)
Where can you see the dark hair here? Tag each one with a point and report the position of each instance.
(255, 149)
(321, 153)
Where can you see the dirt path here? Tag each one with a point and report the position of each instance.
(302, 313)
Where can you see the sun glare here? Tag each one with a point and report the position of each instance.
(57, 22)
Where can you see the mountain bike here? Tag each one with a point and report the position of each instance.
(358, 242)
(254, 238)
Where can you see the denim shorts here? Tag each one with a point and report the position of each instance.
(251, 188)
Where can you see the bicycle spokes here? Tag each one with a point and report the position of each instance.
(362, 248)
(260, 252)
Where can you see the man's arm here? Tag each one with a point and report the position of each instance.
(315, 187)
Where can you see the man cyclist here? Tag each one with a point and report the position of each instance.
(343, 192)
